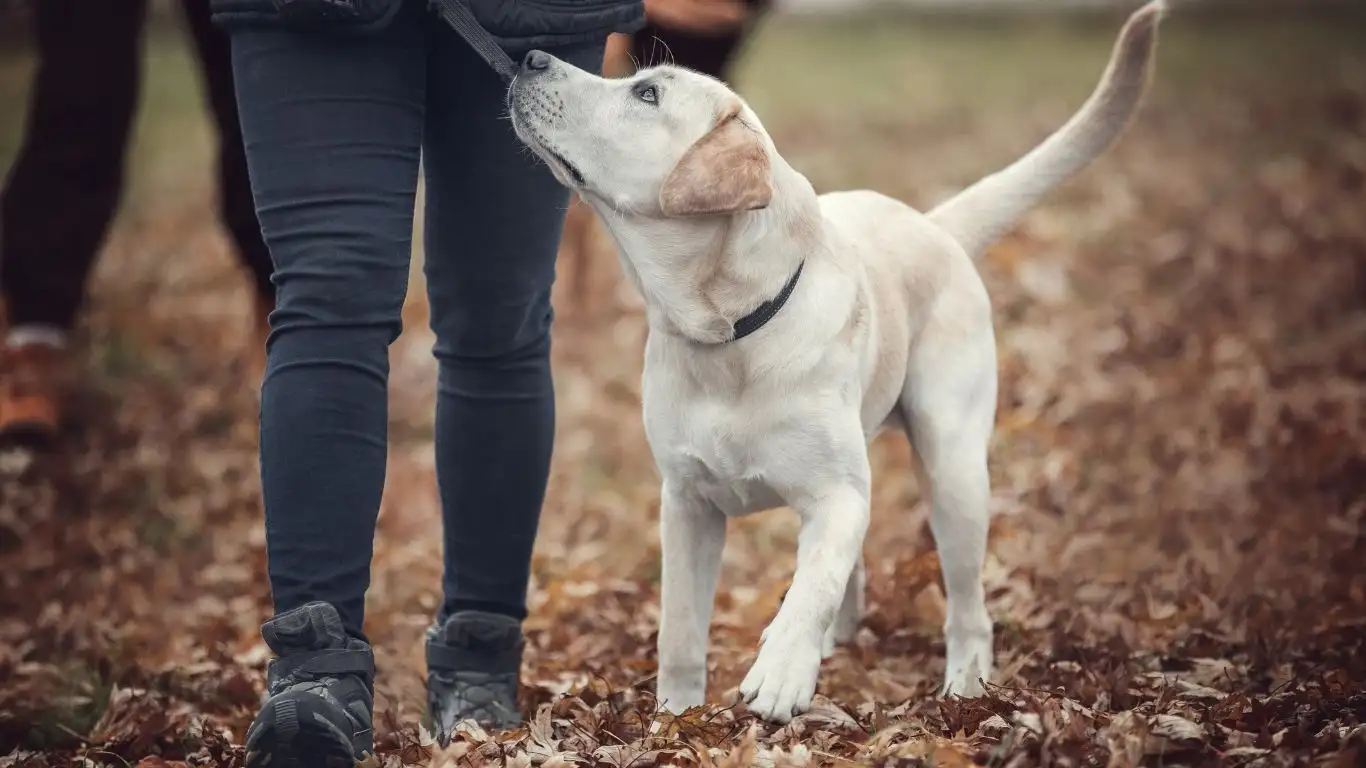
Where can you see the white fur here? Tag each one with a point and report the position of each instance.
(889, 325)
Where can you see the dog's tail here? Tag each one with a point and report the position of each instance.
(983, 212)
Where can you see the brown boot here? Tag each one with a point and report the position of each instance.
(34, 379)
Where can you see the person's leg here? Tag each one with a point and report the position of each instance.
(62, 194)
(234, 187)
(333, 129)
(494, 218)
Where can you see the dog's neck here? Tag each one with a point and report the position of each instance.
(700, 275)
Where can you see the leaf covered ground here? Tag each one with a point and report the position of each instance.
(1177, 569)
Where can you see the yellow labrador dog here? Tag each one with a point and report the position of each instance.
(786, 329)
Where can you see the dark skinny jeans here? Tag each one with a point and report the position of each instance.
(334, 127)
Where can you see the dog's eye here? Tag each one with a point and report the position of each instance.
(648, 94)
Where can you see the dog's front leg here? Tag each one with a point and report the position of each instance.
(692, 535)
(783, 678)
(850, 614)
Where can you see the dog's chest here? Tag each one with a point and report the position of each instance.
(722, 454)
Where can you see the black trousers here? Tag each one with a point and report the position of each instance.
(334, 129)
(66, 182)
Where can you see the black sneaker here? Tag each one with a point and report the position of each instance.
(320, 695)
(474, 662)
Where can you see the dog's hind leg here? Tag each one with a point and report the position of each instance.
(692, 535)
(950, 405)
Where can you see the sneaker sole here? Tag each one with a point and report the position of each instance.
(281, 740)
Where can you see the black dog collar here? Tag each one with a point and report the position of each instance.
(765, 312)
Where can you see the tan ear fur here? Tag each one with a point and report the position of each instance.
(726, 171)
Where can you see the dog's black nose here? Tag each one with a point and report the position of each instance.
(536, 61)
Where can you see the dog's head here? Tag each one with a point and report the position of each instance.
(665, 143)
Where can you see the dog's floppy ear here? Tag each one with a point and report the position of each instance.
(726, 171)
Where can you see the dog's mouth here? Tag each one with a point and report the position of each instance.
(569, 168)
(525, 128)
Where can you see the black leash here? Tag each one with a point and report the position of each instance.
(765, 312)
(457, 13)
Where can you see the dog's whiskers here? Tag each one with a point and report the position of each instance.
(667, 51)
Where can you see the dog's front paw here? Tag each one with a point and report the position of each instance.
(969, 663)
(783, 679)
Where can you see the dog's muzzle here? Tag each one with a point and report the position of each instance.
(531, 111)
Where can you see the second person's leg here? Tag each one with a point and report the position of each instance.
(61, 195)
